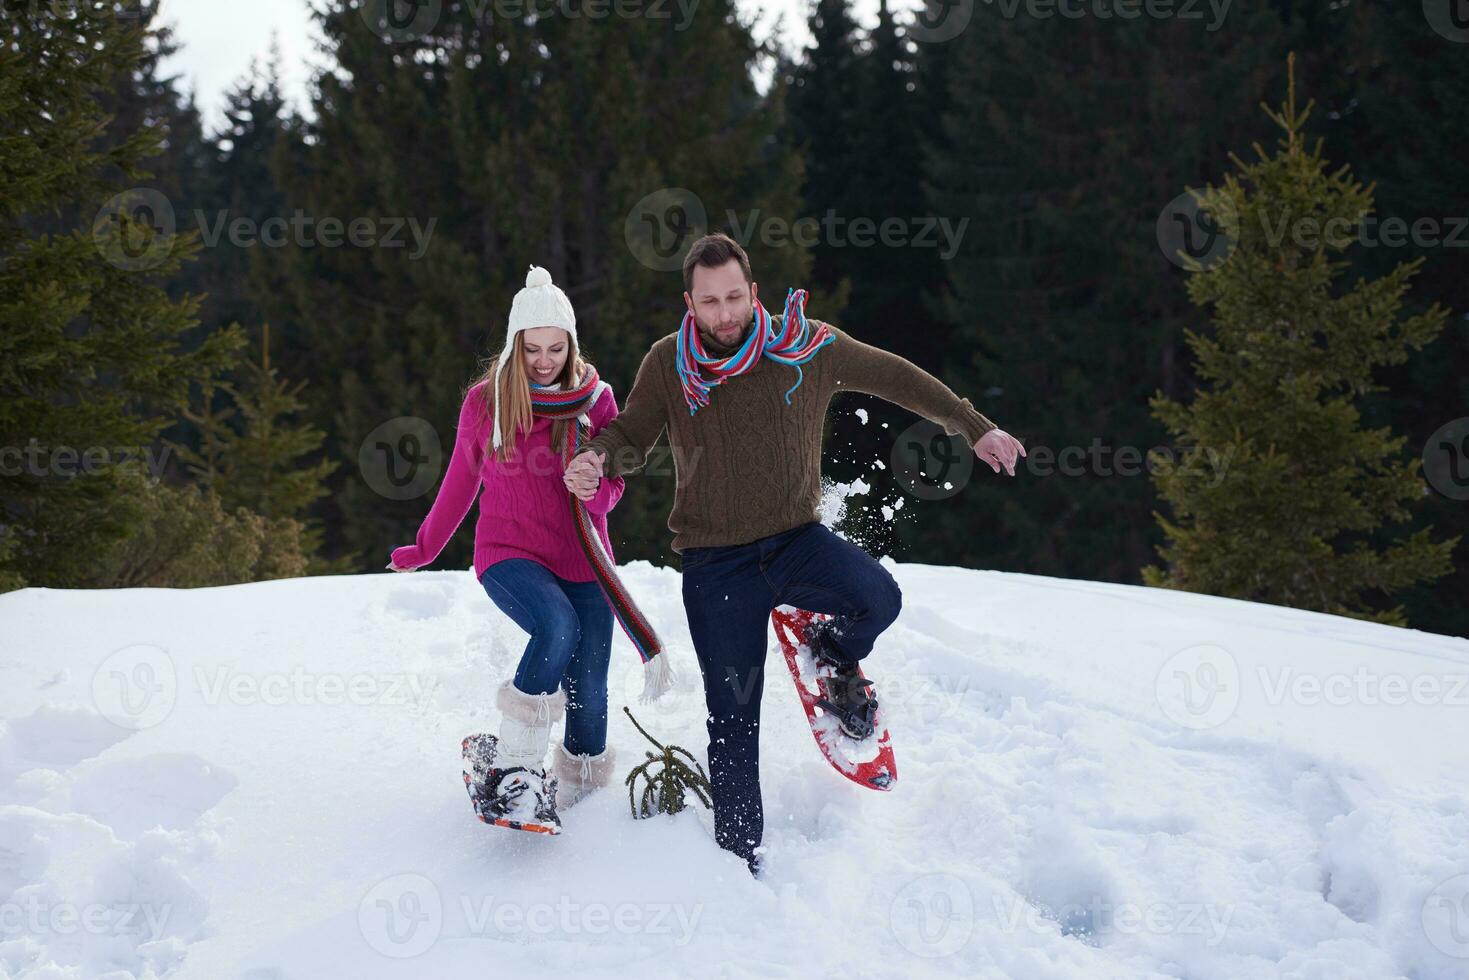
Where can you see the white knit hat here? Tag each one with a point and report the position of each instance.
(540, 304)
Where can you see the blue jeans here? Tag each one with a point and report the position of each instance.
(728, 594)
(570, 627)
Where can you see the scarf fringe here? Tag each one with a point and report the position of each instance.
(658, 679)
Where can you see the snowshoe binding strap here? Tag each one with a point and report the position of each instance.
(498, 803)
(848, 701)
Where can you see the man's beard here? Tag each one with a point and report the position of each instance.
(711, 338)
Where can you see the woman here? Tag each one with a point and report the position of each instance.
(543, 556)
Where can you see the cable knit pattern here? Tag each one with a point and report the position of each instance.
(523, 509)
(749, 465)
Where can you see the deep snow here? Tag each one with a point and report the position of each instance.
(1095, 781)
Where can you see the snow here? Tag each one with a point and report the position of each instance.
(834, 498)
(1095, 781)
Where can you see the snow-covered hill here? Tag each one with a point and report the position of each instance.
(1095, 781)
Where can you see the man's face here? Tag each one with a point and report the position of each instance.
(722, 302)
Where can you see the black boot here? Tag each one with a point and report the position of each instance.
(843, 688)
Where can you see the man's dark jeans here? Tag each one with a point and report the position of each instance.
(728, 594)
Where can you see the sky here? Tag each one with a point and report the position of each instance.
(219, 40)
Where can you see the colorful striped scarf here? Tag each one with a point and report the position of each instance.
(574, 404)
(795, 344)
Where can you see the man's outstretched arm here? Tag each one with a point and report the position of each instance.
(874, 371)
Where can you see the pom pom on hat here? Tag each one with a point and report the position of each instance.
(540, 304)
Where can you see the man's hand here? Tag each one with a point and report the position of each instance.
(396, 568)
(999, 448)
(584, 474)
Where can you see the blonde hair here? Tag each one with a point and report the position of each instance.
(516, 415)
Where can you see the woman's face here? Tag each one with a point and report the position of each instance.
(545, 350)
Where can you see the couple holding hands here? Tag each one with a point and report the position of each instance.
(742, 398)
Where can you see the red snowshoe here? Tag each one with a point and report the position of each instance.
(849, 728)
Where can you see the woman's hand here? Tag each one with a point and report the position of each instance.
(584, 475)
(582, 484)
(411, 559)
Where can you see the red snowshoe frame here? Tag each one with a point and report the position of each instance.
(881, 771)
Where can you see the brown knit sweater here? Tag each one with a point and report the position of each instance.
(747, 464)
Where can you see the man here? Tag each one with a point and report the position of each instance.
(743, 397)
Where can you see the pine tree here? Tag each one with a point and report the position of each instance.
(252, 452)
(825, 121)
(1062, 141)
(94, 355)
(1401, 116)
(186, 538)
(146, 98)
(243, 186)
(891, 277)
(1303, 513)
(896, 282)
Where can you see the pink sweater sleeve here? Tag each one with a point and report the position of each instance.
(609, 491)
(456, 494)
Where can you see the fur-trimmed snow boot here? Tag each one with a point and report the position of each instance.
(579, 775)
(506, 775)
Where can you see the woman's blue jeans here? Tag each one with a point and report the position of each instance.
(570, 627)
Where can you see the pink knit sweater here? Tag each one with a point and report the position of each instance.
(523, 512)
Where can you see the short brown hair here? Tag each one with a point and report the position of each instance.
(712, 251)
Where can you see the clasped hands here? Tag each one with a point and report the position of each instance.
(584, 474)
